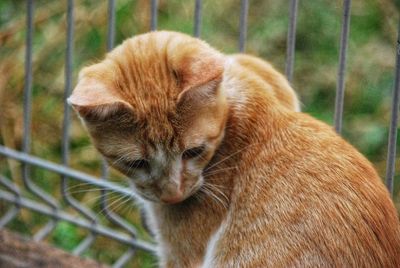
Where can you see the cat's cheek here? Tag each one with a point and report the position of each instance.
(140, 176)
(193, 168)
(142, 191)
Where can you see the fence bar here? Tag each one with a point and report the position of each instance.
(67, 117)
(108, 213)
(244, 10)
(27, 123)
(44, 231)
(153, 7)
(124, 258)
(27, 118)
(9, 216)
(10, 186)
(197, 17)
(60, 169)
(60, 215)
(68, 78)
(26, 142)
(85, 243)
(113, 217)
(291, 39)
(13, 212)
(111, 25)
(391, 156)
(344, 36)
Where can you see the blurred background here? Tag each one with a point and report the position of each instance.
(368, 93)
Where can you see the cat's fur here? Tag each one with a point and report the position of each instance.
(273, 188)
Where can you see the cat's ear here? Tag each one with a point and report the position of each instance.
(200, 95)
(94, 100)
(199, 71)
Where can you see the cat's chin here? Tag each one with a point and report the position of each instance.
(185, 198)
(190, 193)
(188, 196)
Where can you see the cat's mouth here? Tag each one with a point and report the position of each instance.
(174, 200)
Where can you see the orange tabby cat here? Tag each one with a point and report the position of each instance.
(230, 174)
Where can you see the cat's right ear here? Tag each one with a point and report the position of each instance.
(94, 100)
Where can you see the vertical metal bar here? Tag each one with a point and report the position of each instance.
(197, 17)
(26, 142)
(114, 218)
(391, 156)
(67, 88)
(342, 66)
(153, 7)
(291, 39)
(244, 10)
(111, 25)
(85, 243)
(27, 121)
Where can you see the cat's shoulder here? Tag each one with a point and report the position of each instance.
(249, 67)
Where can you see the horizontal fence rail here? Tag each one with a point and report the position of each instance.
(30, 196)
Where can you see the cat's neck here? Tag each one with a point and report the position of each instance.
(254, 117)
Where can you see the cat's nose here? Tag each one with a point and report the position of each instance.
(172, 199)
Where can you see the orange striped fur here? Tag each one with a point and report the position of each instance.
(230, 173)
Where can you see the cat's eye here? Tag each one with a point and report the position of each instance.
(193, 152)
(176, 76)
(137, 164)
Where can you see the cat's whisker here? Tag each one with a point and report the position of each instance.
(130, 169)
(122, 202)
(213, 172)
(129, 208)
(218, 190)
(109, 205)
(84, 191)
(98, 196)
(208, 191)
(229, 156)
(121, 158)
(69, 188)
(215, 197)
(216, 186)
(199, 195)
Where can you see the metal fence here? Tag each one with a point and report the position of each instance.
(48, 205)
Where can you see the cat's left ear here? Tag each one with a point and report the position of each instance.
(199, 71)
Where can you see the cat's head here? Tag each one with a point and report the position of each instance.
(154, 109)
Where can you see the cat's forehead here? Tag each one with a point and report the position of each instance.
(142, 75)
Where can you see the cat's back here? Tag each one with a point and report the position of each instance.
(315, 201)
(271, 77)
(349, 194)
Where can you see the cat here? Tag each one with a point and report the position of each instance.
(229, 172)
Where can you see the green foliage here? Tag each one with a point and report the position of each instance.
(66, 236)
